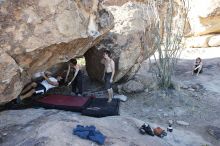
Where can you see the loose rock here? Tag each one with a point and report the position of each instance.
(133, 87)
(191, 89)
(182, 123)
(214, 131)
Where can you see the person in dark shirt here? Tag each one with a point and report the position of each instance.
(197, 68)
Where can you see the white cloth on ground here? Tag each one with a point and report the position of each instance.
(121, 97)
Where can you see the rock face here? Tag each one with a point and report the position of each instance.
(204, 41)
(125, 41)
(34, 35)
(214, 41)
(198, 42)
(54, 128)
(204, 19)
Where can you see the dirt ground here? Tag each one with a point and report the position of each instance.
(196, 103)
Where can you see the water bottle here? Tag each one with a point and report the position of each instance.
(170, 128)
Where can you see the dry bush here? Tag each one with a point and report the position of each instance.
(165, 32)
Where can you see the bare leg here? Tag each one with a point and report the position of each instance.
(199, 69)
(29, 87)
(29, 94)
(110, 94)
(193, 70)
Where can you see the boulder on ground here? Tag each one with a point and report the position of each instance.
(214, 41)
(182, 123)
(133, 86)
(125, 41)
(197, 42)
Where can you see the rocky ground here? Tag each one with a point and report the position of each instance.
(194, 105)
(157, 108)
(196, 102)
(39, 127)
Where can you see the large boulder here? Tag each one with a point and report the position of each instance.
(204, 24)
(214, 41)
(204, 18)
(9, 77)
(40, 127)
(125, 41)
(204, 41)
(34, 35)
(198, 41)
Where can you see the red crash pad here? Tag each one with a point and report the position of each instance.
(63, 102)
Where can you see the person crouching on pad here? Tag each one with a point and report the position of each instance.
(36, 88)
(109, 72)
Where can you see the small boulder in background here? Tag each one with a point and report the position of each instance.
(133, 86)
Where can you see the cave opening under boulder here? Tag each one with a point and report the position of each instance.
(89, 83)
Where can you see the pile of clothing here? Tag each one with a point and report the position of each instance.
(90, 133)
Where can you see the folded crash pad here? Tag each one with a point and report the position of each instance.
(99, 107)
(63, 102)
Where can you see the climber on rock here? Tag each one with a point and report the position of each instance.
(36, 88)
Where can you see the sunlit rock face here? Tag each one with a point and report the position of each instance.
(36, 34)
(204, 17)
(125, 41)
(204, 20)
